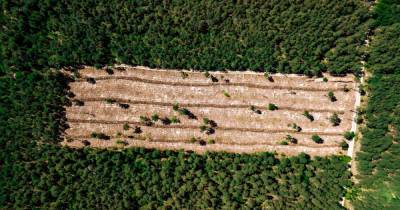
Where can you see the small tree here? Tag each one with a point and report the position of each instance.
(295, 127)
(317, 139)
(349, 135)
(146, 121)
(86, 143)
(174, 119)
(283, 143)
(226, 94)
(206, 74)
(109, 71)
(137, 130)
(184, 75)
(155, 117)
(308, 115)
(175, 107)
(291, 139)
(110, 101)
(91, 80)
(268, 77)
(334, 119)
(206, 121)
(344, 145)
(165, 121)
(332, 96)
(272, 107)
(214, 79)
(126, 126)
(325, 79)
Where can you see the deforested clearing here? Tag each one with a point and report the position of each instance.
(241, 112)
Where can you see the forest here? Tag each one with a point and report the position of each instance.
(379, 158)
(305, 37)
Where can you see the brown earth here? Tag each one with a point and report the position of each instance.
(239, 129)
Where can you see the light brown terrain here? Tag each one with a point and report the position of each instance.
(239, 129)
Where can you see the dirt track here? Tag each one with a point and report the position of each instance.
(239, 129)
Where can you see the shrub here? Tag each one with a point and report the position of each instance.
(206, 74)
(184, 75)
(155, 117)
(137, 130)
(226, 94)
(91, 80)
(203, 128)
(174, 119)
(206, 120)
(109, 71)
(344, 145)
(211, 141)
(101, 136)
(317, 139)
(202, 142)
(165, 121)
(346, 89)
(268, 77)
(175, 107)
(361, 90)
(283, 143)
(110, 101)
(272, 107)
(123, 106)
(291, 139)
(193, 140)
(295, 127)
(308, 115)
(146, 121)
(325, 79)
(184, 111)
(349, 135)
(332, 96)
(86, 143)
(334, 119)
(121, 142)
(213, 79)
(79, 102)
(210, 131)
(126, 126)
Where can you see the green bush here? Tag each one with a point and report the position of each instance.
(349, 135)
(272, 107)
(317, 139)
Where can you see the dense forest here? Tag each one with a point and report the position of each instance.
(379, 158)
(278, 36)
(284, 36)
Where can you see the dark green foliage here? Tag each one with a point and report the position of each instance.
(110, 101)
(332, 96)
(317, 139)
(100, 136)
(349, 135)
(335, 120)
(126, 126)
(165, 121)
(379, 156)
(308, 115)
(155, 117)
(137, 130)
(273, 36)
(145, 121)
(186, 112)
(272, 107)
(291, 139)
(344, 145)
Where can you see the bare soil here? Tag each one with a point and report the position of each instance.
(239, 129)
